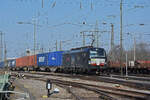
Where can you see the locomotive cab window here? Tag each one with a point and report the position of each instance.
(97, 53)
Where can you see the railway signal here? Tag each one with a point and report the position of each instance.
(48, 87)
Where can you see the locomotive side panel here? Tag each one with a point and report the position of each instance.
(79, 59)
(66, 60)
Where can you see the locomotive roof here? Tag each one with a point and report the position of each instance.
(82, 49)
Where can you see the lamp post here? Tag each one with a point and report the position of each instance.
(121, 47)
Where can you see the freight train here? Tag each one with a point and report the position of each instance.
(77, 60)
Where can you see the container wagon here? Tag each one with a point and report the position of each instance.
(50, 61)
(26, 63)
(55, 60)
(42, 62)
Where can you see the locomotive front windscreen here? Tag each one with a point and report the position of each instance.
(97, 53)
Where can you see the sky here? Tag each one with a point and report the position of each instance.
(62, 20)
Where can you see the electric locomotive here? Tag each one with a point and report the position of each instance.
(84, 60)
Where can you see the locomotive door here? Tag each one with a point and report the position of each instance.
(73, 60)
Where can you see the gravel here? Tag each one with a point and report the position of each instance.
(37, 89)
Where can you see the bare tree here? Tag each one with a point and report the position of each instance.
(142, 52)
(114, 54)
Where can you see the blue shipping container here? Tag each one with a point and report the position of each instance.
(42, 59)
(55, 58)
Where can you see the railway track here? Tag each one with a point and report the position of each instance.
(133, 82)
(137, 78)
(104, 91)
(70, 85)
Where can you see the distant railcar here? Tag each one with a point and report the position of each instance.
(84, 59)
(11, 63)
(116, 64)
(133, 67)
(143, 64)
(2, 64)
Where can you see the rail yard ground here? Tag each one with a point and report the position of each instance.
(74, 87)
(37, 90)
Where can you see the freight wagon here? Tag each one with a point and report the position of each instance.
(26, 63)
(42, 61)
(49, 61)
(9, 63)
(134, 67)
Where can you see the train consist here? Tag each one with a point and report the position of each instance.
(78, 60)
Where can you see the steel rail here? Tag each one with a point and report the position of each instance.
(100, 89)
(129, 83)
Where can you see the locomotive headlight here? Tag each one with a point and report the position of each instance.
(97, 62)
